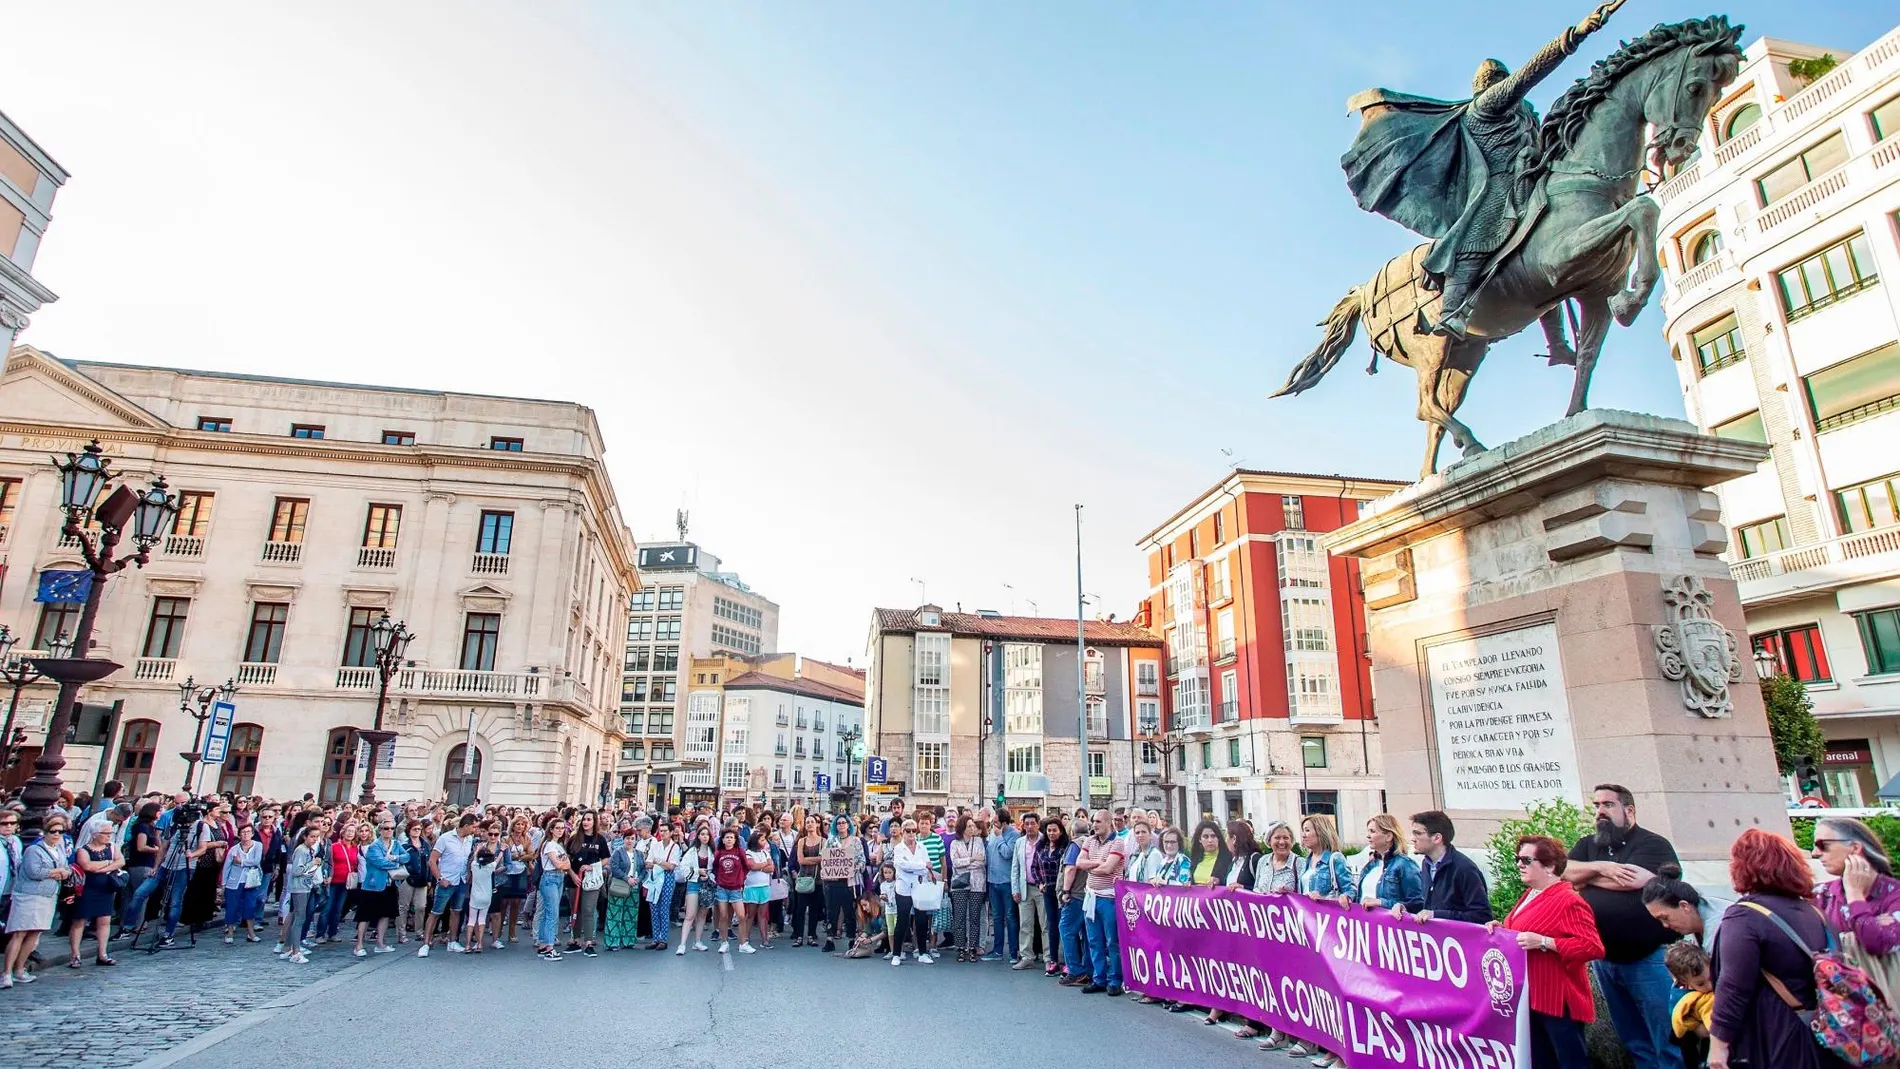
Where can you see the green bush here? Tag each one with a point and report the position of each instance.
(1562, 820)
(1885, 828)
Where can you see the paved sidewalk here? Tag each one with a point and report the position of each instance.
(114, 1017)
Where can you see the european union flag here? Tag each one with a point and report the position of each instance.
(66, 588)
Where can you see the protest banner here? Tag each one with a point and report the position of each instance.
(1379, 992)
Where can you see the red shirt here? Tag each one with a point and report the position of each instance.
(343, 862)
(1559, 980)
(729, 869)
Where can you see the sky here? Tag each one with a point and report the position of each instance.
(879, 292)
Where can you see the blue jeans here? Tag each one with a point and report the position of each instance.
(135, 909)
(311, 925)
(1105, 943)
(547, 914)
(1639, 994)
(1003, 921)
(175, 899)
(1075, 945)
(333, 911)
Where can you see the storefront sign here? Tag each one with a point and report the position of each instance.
(1848, 752)
(1502, 720)
(1382, 993)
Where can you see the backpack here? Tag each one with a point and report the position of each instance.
(1849, 1016)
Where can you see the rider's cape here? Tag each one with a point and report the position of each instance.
(1415, 163)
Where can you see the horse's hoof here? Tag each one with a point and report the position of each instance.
(1473, 449)
(1563, 356)
(1625, 307)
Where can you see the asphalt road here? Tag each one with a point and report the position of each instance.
(780, 1008)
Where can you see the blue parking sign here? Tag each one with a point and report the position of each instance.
(875, 770)
(821, 781)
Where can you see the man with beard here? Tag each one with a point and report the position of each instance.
(1609, 869)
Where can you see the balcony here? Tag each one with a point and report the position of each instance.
(1147, 688)
(779, 750)
(818, 725)
(1224, 649)
(489, 564)
(1817, 568)
(1149, 726)
(1094, 682)
(784, 721)
(1308, 712)
(257, 674)
(1026, 784)
(154, 669)
(470, 684)
(1229, 712)
(282, 553)
(348, 678)
(68, 541)
(1098, 726)
(376, 557)
(183, 547)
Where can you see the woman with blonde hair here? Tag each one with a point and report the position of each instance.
(1389, 877)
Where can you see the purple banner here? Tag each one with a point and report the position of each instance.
(1381, 993)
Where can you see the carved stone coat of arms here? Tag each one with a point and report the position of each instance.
(1695, 650)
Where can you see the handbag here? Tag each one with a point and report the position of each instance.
(780, 890)
(618, 887)
(591, 879)
(806, 884)
(927, 896)
(1849, 1017)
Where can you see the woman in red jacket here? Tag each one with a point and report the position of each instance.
(1558, 932)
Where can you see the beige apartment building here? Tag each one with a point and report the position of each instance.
(486, 524)
(29, 179)
(1782, 246)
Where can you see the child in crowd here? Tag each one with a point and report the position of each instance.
(1689, 966)
(481, 893)
(887, 892)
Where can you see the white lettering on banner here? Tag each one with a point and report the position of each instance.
(1502, 719)
(1374, 1032)
(1441, 1048)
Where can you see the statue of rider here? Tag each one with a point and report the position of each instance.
(1448, 169)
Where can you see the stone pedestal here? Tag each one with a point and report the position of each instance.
(1551, 615)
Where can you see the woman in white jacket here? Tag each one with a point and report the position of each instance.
(912, 862)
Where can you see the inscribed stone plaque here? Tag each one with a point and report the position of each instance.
(1502, 720)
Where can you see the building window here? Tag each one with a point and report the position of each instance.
(288, 518)
(1190, 703)
(640, 630)
(1229, 696)
(667, 629)
(1025, 759)
(1307, 623)
(1741, 119)
(663, 751)
(930, 761)
(1869, 505)
(1220, 528)
(641, 602)
(1824, 156)
(10, 499)
(1312, 688)
(1098, 764)
(1224, 634)
(1840, 270)
(399, 438)
(339, 766)
(359, 644)
(1294, 512)
(1207, 755)
(1097, 717)
(194, 514)
(1180, 759)
(1706, 246)
(1747, 428)
(672, 598)
(1718, 345)
(380, 526)
(930, 695)
(1233, 753)
(1758, 539)
(1218, 587)
(1856, 389)
(265, 644)
(732, 775)
(306, 430)
(59, 621)
(239, 775)
(1320, 802)
(1148, 717)
(1150, 755)
(1147, 677)
(481, 633)
(1022, 688)
(497, 533)
(1880, 637)
(167, 627)
(666, 658)
(1885, 119)
(660, 722)
(136, 750)
(214, 423)
(1798, 651)
(735, 640)
(1313, 751)
(506, 445)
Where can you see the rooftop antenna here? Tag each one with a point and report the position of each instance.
(679, 521)
(1233, 462)
(923, 591)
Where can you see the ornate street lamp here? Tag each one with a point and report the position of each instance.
(196, 701)
(20, 674)
(1767, 665)
(148, 517)
(389, 639)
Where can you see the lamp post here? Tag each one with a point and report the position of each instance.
(389, 639)
(1767, 665)
(848, 738)
(196, 701)
(20, 674)
(147, 515)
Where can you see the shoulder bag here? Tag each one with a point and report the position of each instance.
(1849, 1017)
(927, 895)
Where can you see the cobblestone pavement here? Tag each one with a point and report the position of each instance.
(115, 1017)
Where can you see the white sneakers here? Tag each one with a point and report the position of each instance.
(748, 948)
(925, 959)
(359, 952)
(681, 952)
(423, 951)
(897, 959)
(457, 948)
(384, 950)
(297, 958)
(498, 945)
(725, 946)
(701, 947)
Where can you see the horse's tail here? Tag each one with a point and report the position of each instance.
(1340, 326)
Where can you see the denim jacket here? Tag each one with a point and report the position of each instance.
(1328, 874)
(1399, 881)
(625, 862)
(36, 861)
(379, 861)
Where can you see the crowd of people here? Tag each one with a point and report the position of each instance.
(1035, 891)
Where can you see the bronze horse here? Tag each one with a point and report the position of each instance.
(1584, 223)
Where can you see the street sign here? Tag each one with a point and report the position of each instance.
(882, 788)
(876, 769)
(223, 714)
(820, 781)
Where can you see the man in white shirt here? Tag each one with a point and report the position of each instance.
(448, 862)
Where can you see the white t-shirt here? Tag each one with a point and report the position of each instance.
(481, 884)
(758, 877)
(549, 854)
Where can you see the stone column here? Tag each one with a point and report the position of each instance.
(1551, 615)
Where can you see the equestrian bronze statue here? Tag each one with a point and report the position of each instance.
(1524, 216)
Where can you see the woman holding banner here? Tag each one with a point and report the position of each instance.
(1558, 932)
(1210, 855)
(1390, 877)
(1326, 878)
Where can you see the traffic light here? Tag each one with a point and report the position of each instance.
(1807, 775)
(999, 793)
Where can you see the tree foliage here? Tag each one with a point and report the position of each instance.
(1808, 71)
(1791, 723)
(1559, 818)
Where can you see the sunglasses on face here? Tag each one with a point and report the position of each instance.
(1524, 861)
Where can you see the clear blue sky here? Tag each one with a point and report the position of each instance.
(879, 290)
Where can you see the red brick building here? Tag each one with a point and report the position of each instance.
(1270, 712)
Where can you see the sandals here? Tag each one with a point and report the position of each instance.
(106, 961)
(1247, 1032)
(75, 964)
